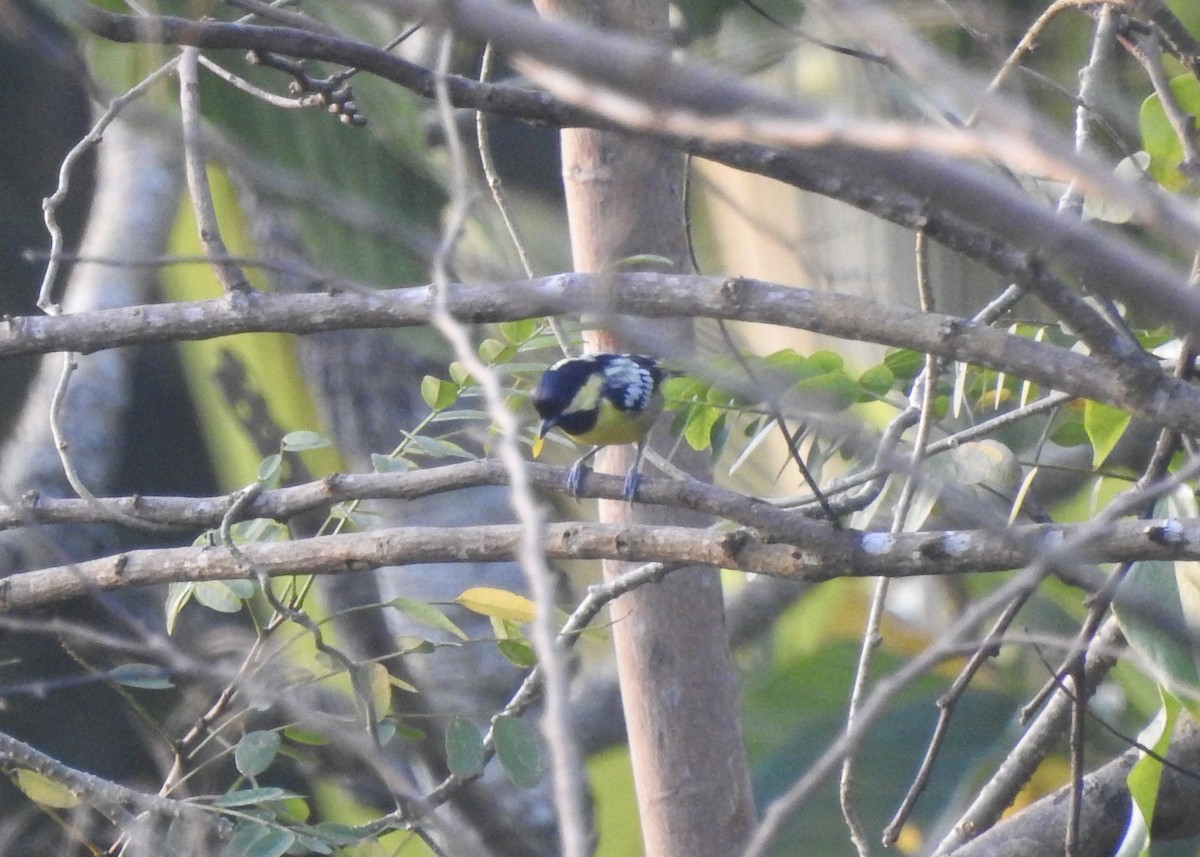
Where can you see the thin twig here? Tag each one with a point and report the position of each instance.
(229, 275)
(776, 412)
(286, 17)
(780, 812)
(62, 447)
(238, 82)
(532, 688)
(1026, 45)
(1149, 54)
(955, 189)
(496, 186)
(946, 703)
(998, 794)
(107, 797)
(361, 690)
(566, 765)
(1075, 792)
(45, 301)
(872, 634)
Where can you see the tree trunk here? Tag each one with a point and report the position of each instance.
(679, 691)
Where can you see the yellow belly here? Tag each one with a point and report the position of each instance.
(614, 426)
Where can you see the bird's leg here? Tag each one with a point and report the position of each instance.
(578, 472)
(634, 475)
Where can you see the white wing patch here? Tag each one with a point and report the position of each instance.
(628, 384)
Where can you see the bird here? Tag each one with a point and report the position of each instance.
(603, 399)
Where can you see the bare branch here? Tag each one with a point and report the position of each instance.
(1137, 388)
(228, 273)
(817, 553)
(112, 799)
(688, 100)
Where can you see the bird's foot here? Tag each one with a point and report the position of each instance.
(632, 480)
(575, 477)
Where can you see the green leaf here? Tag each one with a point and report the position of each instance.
(253, 839)
(336, 834)
(877, 381)
(386, 464)
(1104, 425)
(684, 388)
(243, 589)
(410, 644)
(518, 652)
(697, 431)
(832, 391)
(499, 603)
(1154, 337)
(412, 733)
(255, 752)
(249, 797)
(379, 682)
(299, 441)
(464, 748)
(436, 447)
(371, 847)
(462, 415)
(519, 750)
(270, 470)
(504, 628)
(792, 362)
(795, 365)
(641, 262)
(300, 735)
(1070, 433)
(459, 375)
(218, 595)
(178, 595)
(493, 351)
(827, 361)
(437, 393)
(146, 676)
(44, 791)
(427, 615)
(258, 530)
(518, 332)
(718, 436)
(905, 364)
(346, 511)
(1158, 608)
(1158, 135)
(306, 844)
(1146, 774)
(401, 684)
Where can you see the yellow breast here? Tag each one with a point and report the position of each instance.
(614, 426)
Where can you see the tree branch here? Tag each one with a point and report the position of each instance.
(688, 100)
(535, 107)
(1037, 831)
(817, 553)
(1134, 387)
(109, 798)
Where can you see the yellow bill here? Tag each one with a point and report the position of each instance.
(538, 443)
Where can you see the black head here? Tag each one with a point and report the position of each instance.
(559, 386)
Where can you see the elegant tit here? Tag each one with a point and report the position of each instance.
(601, 399)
